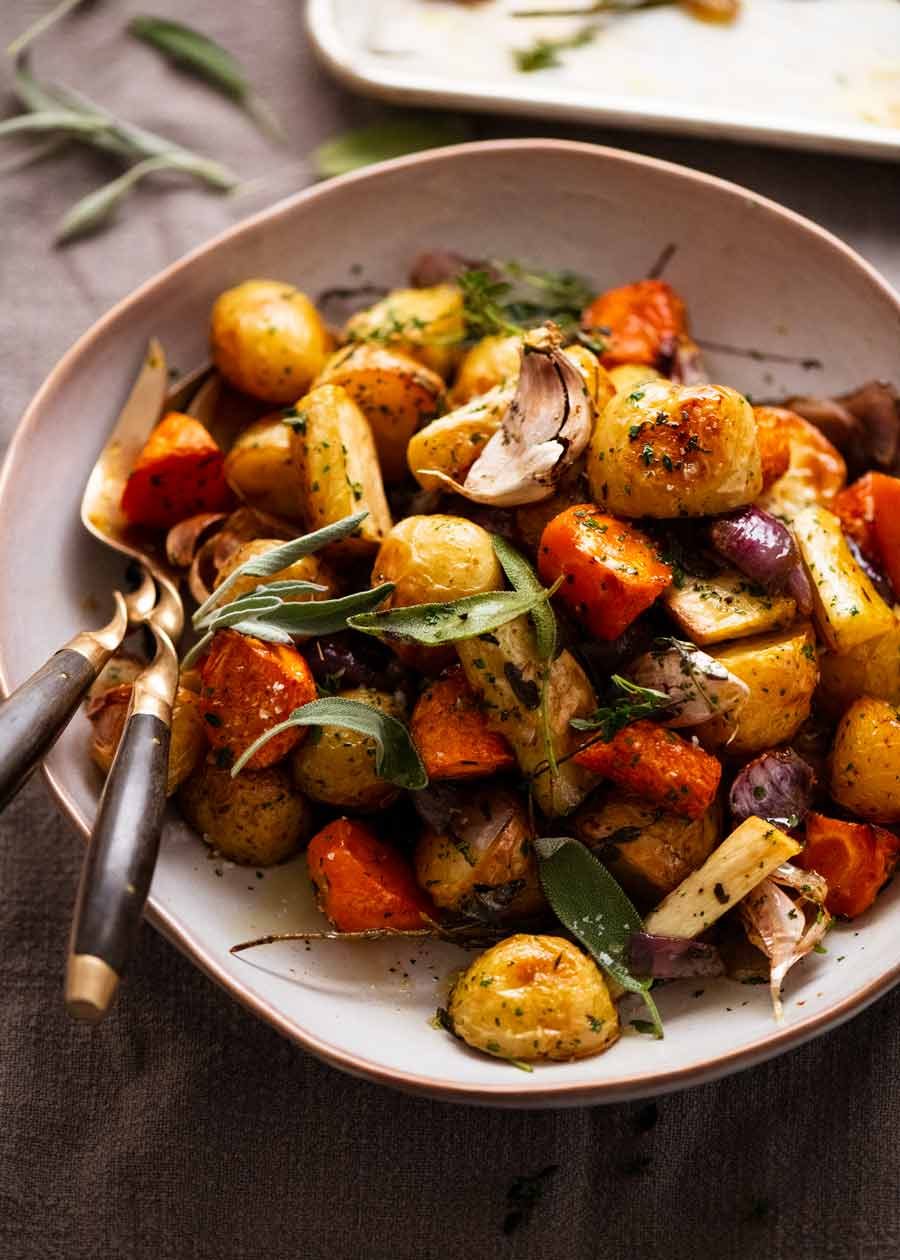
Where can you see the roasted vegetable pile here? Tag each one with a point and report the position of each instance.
(532, 635)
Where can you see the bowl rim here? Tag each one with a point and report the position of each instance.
(559, 1093)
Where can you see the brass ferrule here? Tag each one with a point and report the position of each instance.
(97, 646)
(156, 684)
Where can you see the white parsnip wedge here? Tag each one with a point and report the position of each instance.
(742, 861)
(848, 609)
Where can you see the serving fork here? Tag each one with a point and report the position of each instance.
(118, 866)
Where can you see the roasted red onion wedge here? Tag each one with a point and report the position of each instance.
(546, 428)
(763, 548)
(777, 786)
(672, 957)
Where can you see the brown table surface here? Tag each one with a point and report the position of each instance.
(185, 1128)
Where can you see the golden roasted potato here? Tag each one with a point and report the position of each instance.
(865, 763)
(426, 324)
(781, 671)
(394, 392)
(870, 669)
(505, 671)
(534, 997)
(306, 569)
(260, 470)
(452, 443)
(648, 850)
(725, 606)
(669, 450)
(491, 361)
(431, 559)
(337, 464)
(626, 377)
(268, 340)
(108, 710)
(337, 766)
(256, 818)
(481, 863)
(816, 471)
(598, 381)
(848, 609)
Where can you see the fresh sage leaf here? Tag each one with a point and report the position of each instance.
(393, 137)
(591, 905)
(197, 53)
(98, 207)
(277, 558)
(322, 616)
(396, 758)
(466, 618)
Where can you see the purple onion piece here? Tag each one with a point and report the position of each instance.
(778, 787)
(878, 580)
(799, 587)
(672, 957)
(345, 660)
(757, 544)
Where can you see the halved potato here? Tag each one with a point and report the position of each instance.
(260, 470)
(725, 606)
(451, 444)
(427, 324)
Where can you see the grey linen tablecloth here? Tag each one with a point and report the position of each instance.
(185, 1128)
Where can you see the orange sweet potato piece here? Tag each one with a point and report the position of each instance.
(774, 443)
(612, 571)
(361, 883)
(645, 321)
(854, 858)
(177, 474)
(246, 688)
(452, 734)
(869, 511)
(656, 764)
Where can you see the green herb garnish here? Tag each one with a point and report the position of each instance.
(393, 137)
(591, 905)
(543, 54)
(467, 618)
(632, 704)
(396, 758)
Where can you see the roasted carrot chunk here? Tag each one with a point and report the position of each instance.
(637, 323)
(658, 765)
(854, 858)
(774, 442)
(612, 571)
(452, 734)
(247, 687)
(177, 474)
(869, 511)
(361, 883)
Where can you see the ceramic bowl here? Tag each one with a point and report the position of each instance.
(755, 275)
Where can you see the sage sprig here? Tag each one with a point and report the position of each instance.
(396, 757)
(277, 558)
(392, 137)
(591, 905)
(196, 53)
(434, 624)
(40, 25)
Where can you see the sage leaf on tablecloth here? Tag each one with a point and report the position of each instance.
(192, 51)
(589, 902)
(396, 757)
(392, 137)
(41, 24)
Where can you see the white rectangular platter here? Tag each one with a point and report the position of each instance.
(811, 74)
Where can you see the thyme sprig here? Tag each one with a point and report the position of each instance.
(630, 705)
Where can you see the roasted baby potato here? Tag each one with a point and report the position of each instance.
(865, 763)
(256, 818)
(648, 850)
(848, 609)
(452, 443)
(337, 766)
(669, 450)
(626, 377)
(484, 867)
(598, 381)
(306, 569)
(337, 464)
(871, 669)
(504, 669)
(108, 710)
(491, 361)
(260, 469)
(781, 671)
(431, 559)
(426, 324)
(534, 997)
(394, 392)
(816, 471)
(268, 340)
(726, 606)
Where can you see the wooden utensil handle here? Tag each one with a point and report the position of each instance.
(36, 713)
